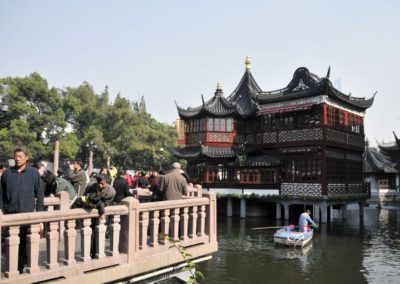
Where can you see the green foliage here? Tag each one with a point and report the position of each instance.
(122, 130)
(190, 266)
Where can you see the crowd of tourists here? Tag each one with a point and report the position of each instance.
(24, 186)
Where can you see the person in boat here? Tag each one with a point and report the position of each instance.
(304, 220)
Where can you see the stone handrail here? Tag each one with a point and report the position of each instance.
(192, 191)
(195, 190)
(135, 245)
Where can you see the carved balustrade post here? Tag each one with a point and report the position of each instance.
(33, 242)
(52, 245)
(202, 221)
(12, 243)
(69, 242)
(211, 218)
(193, 222)
(101, 238)
(144, 225)
(64, 205)
(175, 224)
(129, 236)
(199, 190)
(154, 228)
(86, 234)
(184, 224)
(115, 231)
(165, 221)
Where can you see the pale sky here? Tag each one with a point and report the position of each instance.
(178, 50)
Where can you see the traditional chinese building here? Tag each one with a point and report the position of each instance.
(382, 169)
(304, 140)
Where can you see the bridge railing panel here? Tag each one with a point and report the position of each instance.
(60, 258)
(187, 221)
(135, 230)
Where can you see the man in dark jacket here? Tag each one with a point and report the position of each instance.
(21, 191)
(102, 188)
(77, 176)
(141, 180)
(48, 178)
(121, 187)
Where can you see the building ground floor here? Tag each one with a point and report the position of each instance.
(246, 203)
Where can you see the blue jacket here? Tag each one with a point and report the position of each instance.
(19, 189)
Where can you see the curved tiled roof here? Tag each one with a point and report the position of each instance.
(306, 84)
(244, 101)
(391, 147)
(225, 152)
(376, 161)
(218, 105)
(261, 161)
(201, 150)
(240, 102)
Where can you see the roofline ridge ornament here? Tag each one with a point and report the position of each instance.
(247, 63)
(328, 73)
(218, 91)
(395, 136)
(202, 99)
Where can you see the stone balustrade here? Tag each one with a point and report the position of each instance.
(145, 194)
(135, 245)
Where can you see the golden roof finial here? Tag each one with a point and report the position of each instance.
(247, 62)
(219, 86)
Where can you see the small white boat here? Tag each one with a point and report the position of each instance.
(290, 236)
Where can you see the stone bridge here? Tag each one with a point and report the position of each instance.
(134, 248)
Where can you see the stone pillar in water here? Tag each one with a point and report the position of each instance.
(315, 214)
(278, 211)
(324, 213)
(243, 207)
(286, 207)
(344, 209)
(229, 207)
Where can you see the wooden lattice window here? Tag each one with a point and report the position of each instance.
(303, 170)
(268, 176)
(269, 121)
(220, 124)
(355, 123)
(383, 183)
(335, 117)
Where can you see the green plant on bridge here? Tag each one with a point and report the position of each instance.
(190, 266)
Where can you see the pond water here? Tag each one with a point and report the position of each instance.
(344, 251)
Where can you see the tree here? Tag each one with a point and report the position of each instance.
(39, 116)
(35, 114)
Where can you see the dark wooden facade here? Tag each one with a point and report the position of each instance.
(382, 166)
(306, 139)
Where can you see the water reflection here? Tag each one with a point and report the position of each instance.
(345, 251)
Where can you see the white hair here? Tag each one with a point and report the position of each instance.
(176, 166)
